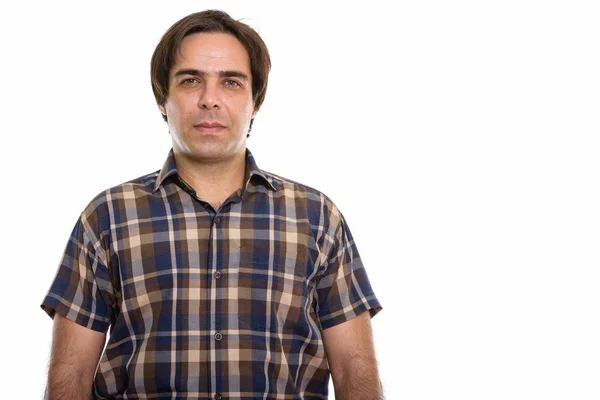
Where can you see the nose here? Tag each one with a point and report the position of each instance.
(209, 97)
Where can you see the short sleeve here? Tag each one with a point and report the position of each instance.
(82, 291)
(343, 289)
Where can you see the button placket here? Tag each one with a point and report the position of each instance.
(218, 336)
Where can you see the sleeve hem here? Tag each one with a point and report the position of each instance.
(52, 306)
(357, 306)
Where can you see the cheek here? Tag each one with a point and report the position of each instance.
(244, 109)
(179, 109)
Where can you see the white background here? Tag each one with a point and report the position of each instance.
(459, 139)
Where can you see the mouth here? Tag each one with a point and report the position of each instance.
(209, 128)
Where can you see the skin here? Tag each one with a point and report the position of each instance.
(214, 165)
(74, 355)
(352, 361)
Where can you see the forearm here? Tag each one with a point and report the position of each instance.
(64, 383)
(359, 380)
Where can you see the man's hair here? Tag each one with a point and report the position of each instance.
(210, 21)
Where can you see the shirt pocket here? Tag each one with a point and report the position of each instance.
(275, 296)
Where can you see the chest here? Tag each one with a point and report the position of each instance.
(250, 264)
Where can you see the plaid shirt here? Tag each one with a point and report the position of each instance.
(209, 304)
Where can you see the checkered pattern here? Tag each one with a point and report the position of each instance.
(205, 304)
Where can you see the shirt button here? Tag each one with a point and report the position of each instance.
(217, 396)
(217, 220)
(218, 336)
(217, 274)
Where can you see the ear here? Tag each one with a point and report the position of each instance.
(162, 109)
(254, 113)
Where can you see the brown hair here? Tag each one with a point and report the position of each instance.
(210, 21)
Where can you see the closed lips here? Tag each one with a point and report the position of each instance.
(210, 125)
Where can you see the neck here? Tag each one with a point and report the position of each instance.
(213, 180)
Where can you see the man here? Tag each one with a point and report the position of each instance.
(215, 278)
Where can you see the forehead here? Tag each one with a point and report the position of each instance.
(212, 52)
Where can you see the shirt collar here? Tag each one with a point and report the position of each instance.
(169, 168)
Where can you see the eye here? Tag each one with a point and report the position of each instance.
(188, 81)
(231, 82)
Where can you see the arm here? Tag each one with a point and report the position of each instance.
(351, 355)
(74, 356)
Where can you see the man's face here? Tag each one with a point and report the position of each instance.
(210, 83)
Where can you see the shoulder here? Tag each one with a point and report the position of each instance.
(321, 211)
(99, 211)
(294, 189)
(140, 186)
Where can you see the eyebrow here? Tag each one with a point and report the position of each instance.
(222, 74)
